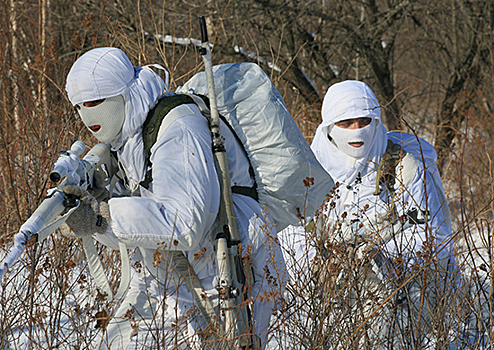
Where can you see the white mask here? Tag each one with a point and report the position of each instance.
(109, 115)
(343, 137)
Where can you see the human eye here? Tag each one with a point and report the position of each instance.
(344, 124)
(366, 121)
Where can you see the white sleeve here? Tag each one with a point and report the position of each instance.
(183, 198)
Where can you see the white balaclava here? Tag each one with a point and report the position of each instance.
(343, 137)
(129, 92)
(105, 120)
(348, 100)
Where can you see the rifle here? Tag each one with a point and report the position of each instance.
(45, 219)
(236, 328)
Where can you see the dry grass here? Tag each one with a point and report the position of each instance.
(48, 300)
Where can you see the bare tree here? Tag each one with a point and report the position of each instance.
(430, 63)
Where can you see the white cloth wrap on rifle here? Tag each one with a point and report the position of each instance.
(36, 225)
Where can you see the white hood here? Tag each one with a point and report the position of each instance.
(106, 72)
(346, 100)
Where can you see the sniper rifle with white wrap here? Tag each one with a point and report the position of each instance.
(46, 218)
(236, 330)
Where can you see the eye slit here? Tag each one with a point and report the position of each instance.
(92, 103)
(344, 124)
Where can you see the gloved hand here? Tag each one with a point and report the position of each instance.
(99, 190)
(90, 217)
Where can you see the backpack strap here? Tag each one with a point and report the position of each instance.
(152, 126)
(386, 171)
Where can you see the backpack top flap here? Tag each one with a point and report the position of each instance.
(279, 154)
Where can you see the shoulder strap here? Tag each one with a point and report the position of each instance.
(152, 125)
(386, 171)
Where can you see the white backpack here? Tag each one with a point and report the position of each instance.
(280, 156)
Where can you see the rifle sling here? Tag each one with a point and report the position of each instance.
(185, 270)
(98, 272)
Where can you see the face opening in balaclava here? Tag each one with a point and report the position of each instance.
(106, 119)
(349, 99)
(343, 138)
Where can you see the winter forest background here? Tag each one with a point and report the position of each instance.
(430, 64)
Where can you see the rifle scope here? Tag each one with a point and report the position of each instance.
(63, 164)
